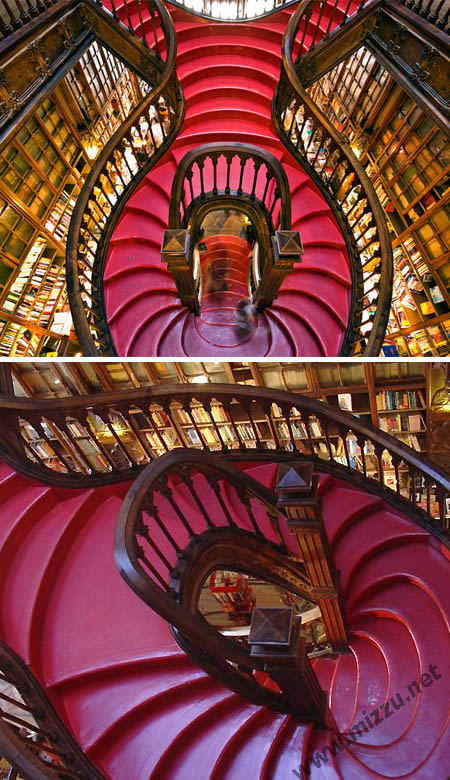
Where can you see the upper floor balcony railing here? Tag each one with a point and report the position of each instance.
(109, 437)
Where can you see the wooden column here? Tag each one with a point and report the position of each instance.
(298, 493)
(287, 249)
(275, 639)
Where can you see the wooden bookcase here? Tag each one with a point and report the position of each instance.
(408, 159)
(42, 170)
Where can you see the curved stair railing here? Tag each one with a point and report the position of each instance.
(186, 515)
(332, 165)
(108, 437)
(248, 179)
(128, 156)
(33, 738)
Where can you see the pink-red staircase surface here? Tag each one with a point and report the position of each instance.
(228, 73)
(141, 709)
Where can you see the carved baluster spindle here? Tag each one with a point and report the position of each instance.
(67, 425)
(189, 177)
(214, 160)
(214, 482)
(190, 413)
(229, 159)
(24, 11)
(141, 24)
(347, 9)
(324, 425)
(275, 438)
(189, 482)
(443, 20)
(242, 162)
(114, 9)
(362, 454)
(331, 20)
(200, 166)
(14, 18)
(142, 530)
(167, 409)
(167, 493)
(209, 410)
(154, 29)
(140, 436)
(127, 13)
(308, 433)
(234, 423)
(257, 166)
(244, 498)
(305, 19)
(150, 507)
(247, 406)
(317, 29)
(269, 178)
(90, 425)
(286, 411)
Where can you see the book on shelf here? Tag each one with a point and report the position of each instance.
(404, 399)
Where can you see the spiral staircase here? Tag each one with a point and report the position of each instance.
(135, 698)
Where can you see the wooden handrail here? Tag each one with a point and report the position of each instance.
(109, 437)
(329, 160)
(128, 156)
(33, 738)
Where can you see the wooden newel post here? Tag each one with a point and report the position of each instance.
(275, 639)
(287, 249)
(175, 251)
(298, 493)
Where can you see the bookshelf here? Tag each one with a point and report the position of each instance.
(407, 158)
(42, 170)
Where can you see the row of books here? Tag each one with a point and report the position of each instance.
(400, 423)
(403, 399)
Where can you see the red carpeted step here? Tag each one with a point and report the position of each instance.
(142, 709)
(229, 73)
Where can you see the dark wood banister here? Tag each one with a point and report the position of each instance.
(56, 410)
(196, 633)
(84, 278)
(291, 89)
(242, 151)
(35, 704)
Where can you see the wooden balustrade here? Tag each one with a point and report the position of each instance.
(108, 437)
(126, 159)
(33, 738)
(16, 14)
(341, 178)
(186, 514)
(243, 177)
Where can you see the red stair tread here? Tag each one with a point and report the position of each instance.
(134, 749)
(244, 754)
(95, 704)
(26, 571)
(196, 749)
